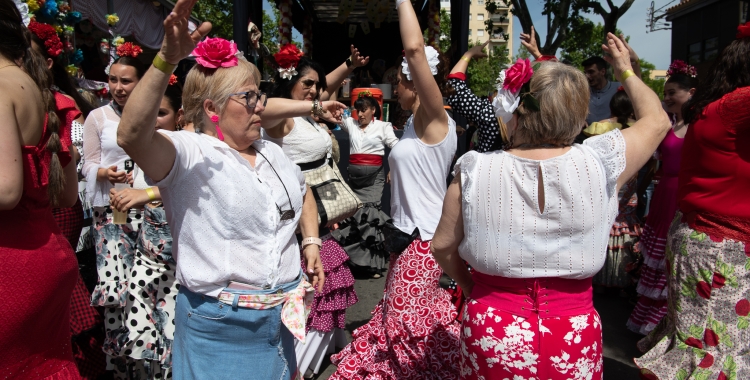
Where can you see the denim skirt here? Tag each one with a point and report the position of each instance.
(214, 340)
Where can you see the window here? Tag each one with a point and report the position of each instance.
(711, 49)
(694, 53)
(480, 2)
(480, 16)
(480, 32)
(469, 16)
(469, 31)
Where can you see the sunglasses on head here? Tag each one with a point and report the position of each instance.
(310, 82)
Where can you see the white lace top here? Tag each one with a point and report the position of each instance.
(101, 151)
(223, 214)
(505, 232)
(372, 140)
(307, 142)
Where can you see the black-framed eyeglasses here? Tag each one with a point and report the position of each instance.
(310, 82)
(252, 98)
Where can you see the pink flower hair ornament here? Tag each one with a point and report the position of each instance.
(513, 89)
(213, 53)
(680, 67)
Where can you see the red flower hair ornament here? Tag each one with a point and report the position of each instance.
(743, 31)
(129, 49)
(213, 53)
(680, 67)
(513, 88)
(48, 34)
(287, 58)
(172, 80)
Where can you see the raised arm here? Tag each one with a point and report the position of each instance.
(280, 109)
(476, 52)
(154, 152)
(529, 42)
(337, 76)
(641, 139)
(430, 110)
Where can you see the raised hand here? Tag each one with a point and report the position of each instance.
(178, 42)
(633, 55)
(357, 59)
(333, 111)
(529, 42)
(617, 54)
(477, 52)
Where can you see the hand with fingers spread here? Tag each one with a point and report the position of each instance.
(618, 55)
(178, 42)
(529, 42)
(332, 111)
(357, 59)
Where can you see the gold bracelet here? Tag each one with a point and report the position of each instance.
(312, 108)
(151, 194)
(163, 66)
(625, 75)
(465, 58)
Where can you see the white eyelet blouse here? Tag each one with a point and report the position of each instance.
(505, 232)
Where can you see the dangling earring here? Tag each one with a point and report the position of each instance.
(215, 120)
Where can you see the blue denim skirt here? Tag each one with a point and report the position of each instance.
(214, 340)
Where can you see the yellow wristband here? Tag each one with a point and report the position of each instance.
(163, 66)
(465, 58)
(151, 194)
(625, 75)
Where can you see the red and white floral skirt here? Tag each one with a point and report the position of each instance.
(543, 328)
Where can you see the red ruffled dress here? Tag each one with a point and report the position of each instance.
(37, 277)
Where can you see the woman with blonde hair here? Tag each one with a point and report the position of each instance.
(233, 202)
(533, 222)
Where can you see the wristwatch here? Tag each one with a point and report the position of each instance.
(349, 62)
(311, 240)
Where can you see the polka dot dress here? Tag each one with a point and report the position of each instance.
(477, 111)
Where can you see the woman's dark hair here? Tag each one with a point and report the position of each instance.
(730, 71)
(366, 102)
(621, 108)
(683, 81)
(174, 95)
(139, 67)
(15, 42)
(61, 78)
(283, 87)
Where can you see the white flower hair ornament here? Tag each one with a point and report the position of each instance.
(505, 102)
(23, 9)
(510, 85)
(432, 60)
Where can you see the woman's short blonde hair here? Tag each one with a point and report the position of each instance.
(563, 95)
(214, 84)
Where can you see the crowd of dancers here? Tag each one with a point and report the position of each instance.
(225, 235)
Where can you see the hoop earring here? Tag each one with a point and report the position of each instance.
(215, 120)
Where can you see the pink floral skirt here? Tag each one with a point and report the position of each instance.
(498, 345)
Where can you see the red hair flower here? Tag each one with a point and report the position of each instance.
(620, 89)
(172, 80)
(680, 67)
(48, 34)
(217, 52)
(287, 58)
(517, 75)
(743, 31)
(129, 49)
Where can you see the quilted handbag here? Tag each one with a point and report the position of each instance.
(335, 199)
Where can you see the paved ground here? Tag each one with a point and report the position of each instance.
(619, 342)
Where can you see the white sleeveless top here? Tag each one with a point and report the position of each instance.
(506, 235)
(307, 141)
(419, 175)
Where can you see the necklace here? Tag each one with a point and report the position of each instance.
(285, 214)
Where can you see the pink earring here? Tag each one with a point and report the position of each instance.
(215, 120)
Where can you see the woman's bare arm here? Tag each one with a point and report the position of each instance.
(448, 235)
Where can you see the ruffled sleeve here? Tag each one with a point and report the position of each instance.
(609, 149)
(478, 111)
(67, 112)
(734, 110)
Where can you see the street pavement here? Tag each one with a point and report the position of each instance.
(619, 342)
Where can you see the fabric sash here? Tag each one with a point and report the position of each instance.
(366, 160)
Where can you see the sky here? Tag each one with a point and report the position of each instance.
(654, 47)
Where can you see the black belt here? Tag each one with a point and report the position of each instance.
(312, 165)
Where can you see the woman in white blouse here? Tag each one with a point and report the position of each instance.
(533, 222)
(233, 202)
(361, 236)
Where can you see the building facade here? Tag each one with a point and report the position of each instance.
(478, 15)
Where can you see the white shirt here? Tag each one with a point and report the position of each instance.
(506, 235)
(419, 175)
(101, 151)
(223, 215)
(372, 140)
(306, 142)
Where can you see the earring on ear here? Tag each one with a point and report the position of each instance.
(215, 120)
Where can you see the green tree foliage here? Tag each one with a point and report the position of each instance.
(444, 42)
(270, 37)
(655, 84)
(482, 73)
(584, 41)
(219, 13)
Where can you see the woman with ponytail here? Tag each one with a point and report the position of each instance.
(106, 164)
(39, 268)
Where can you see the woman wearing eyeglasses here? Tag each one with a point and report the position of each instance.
(309, 146)
(233, 202)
